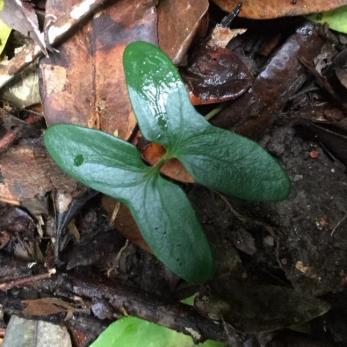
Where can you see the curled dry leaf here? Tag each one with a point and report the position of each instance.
(217, 75)
(266, 9)
(178, 22)
(84, 83)
(21, 16)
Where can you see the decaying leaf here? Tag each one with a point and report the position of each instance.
(24, 92)
(221, 36)
(84, 83)
(20, 15)
(255, 110)
(27, 172)
(178, 21)
(217, 75)
(266, 9)
(253, 307)
(31, 333)
(47, 306)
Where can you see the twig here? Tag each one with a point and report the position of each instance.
(177, 316)
(338, 224)
(227, 20)
(25, 281)
(63, 28)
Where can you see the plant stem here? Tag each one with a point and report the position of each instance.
(214, 112)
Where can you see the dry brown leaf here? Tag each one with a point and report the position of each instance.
(172, 168)
(124, 222)
(46, 306)
(28, 172)
(221, 36)
(178, 22)
(266, 9)
(216, 75)
(84, 83)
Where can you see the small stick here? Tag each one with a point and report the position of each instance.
(338, 224)
(227, 20)
(58, 32)
(25, 281)
(129, 301)
(7, 140)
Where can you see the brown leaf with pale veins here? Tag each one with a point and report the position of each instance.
(266, 9)
(84, 83)
(178, 22)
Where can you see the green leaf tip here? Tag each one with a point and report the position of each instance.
(335, 19)
(134, 332)
(216, 158)
(160, 208)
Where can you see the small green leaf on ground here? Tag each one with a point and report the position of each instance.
(5, 31)
(135, 332)
(336, 19)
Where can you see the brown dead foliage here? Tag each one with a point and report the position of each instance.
(266, 9)
(84, 83)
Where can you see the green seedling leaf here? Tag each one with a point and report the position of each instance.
(336, 19)
(160, 208)
(216, 158)
(135, 332)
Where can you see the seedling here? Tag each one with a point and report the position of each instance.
(216, 158)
